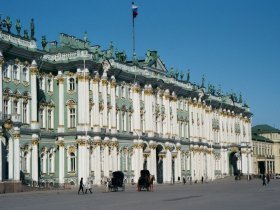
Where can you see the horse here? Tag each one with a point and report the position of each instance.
(152, 179)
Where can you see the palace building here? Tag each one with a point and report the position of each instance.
(70, 110)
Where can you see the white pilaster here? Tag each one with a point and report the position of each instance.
(106, 156)
(104, 97)
(97, 165)
(61, 157)
(1, 84)
(1, 137)
(153, 158)
(136, 108)
(60, 79)
(34, 156)
(178, 166)
(95, 93)
(82, 158)
(11, 159)
(166, 122)
(16, 154)
(148, 92)
(114, 145)
(34, 108)
(113, 103)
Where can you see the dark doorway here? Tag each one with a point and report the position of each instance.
(159, 165)
(261, 167)
(233, 170)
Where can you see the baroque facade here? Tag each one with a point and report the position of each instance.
(266, 149)
(72, 110)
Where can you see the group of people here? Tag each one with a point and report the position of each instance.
(87, 186)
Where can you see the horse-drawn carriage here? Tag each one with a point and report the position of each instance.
(117, 181)
(145, 180)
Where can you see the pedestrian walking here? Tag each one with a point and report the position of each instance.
(264, 180)
(267, 178)
(184, 180)
(190, 180)
(81, 186)
(202, 178)
(89, 186)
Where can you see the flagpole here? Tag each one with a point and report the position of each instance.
(133, 29)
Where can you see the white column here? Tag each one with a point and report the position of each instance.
(148, 92)
(61, 158)
(61, 102)
(1, 136)
(114, 145)
(113, 103)
(168, 162)
(178, 167)
(135, 161)
(104, 97)
(82, 157)
(1, 87)
(166, 122)
(106, 156)
(95, 93)
(164, 168)
(153, 158)
(136, 109)
(83, 100)
(34, 157)
(16, 154)
(97, 165)
(34, 109)
(11, 159)
(175, 126)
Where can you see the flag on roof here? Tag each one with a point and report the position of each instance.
(134, 10)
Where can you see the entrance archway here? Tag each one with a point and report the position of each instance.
(233, 158)
(261, 167)
(159, 148)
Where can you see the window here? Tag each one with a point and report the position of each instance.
(71, 84)
(51, 163)
(41, 83)
(15, 72)
(6, 107)
(24, 75)
(49, 119)
(72, 161)
(41, 118)
(15, 107)
(72, 112)
(49, 85)
(5, 71)
(24, 162)
(43, 163)
(24, 113)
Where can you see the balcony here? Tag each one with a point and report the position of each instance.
(13, 117)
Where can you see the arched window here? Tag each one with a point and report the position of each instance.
(71, 84)
(51, 162)
(15, 72)
(72, 113)
(24, 74)
(5, 71)
(72, 161)
(43, 163)
(5, 106)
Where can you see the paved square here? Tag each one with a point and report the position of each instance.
(221, 194)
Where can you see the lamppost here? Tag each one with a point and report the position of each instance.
(247, 151)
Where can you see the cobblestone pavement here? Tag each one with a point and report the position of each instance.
(225, 194)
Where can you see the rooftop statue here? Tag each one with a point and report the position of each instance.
(188, 76)
(25, 34)
(202, 81)
(135, 60)
(182, 75)
(219, 91)
(121, 57)
(240, 98)
(18, 27)
(44, 42)
(176, 74)
(109, 52)
(9, 24)
(32, 28)
(171, 74)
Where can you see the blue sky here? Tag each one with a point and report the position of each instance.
(234, 43)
